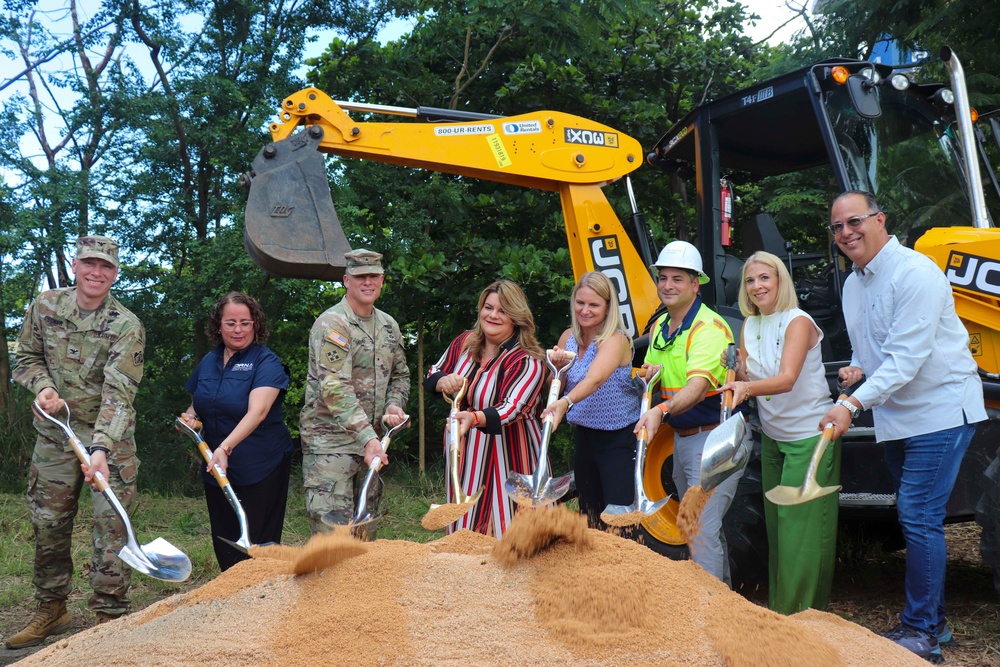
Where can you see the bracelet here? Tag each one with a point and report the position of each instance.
(475, 415)
(228, 451)
(746, 388)
(569, 402)
(99, 448)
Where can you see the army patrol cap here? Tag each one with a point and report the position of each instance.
(97, 247)
(362, 262)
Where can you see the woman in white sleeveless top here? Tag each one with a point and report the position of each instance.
(781, 365)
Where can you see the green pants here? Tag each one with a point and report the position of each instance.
(802, 539)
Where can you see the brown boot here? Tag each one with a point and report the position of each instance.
(105, 617)
(51, 618)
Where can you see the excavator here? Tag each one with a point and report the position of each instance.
(851, 124)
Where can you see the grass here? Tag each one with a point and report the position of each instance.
(184, 523)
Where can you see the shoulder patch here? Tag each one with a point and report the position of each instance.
(337, 338)
(132, 361)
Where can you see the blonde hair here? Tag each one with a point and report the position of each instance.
(604, 289)
(785, 299)
(514, 304)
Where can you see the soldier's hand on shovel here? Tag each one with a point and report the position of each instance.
(98, 463)
(373, 450)
(48, 399)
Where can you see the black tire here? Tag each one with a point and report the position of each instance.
(746, 531)
(988, 516)
(671, 551)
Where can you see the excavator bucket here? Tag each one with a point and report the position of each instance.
(291, 229)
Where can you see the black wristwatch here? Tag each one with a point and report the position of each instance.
(853, 409)
(99, 448)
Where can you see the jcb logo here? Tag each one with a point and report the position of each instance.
(608, 260)
(978, 274)
(591, 137)
(282, 211)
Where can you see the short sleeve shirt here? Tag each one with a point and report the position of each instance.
(222, 398)
(694, 351)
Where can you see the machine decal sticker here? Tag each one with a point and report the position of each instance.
(607, 259)
(499, 151)
(523, 127)
(575, 135)
(974, 273)
(462, 130)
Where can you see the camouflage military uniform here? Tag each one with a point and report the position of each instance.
(94, 361)
(356, 370)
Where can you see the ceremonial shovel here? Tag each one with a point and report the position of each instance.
(361, 517)
(540, 489)
(243, 544)
(725, 452)
(158, 559)
(642, 507)
(439, 516)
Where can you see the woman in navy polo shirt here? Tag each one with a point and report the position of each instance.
(237, 390)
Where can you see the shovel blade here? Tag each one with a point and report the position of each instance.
(726, 452)
(159, 559)
(797, 495)
(337, 518)
(242, 545)
(521, 489)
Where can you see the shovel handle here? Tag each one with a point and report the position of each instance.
(727, 396)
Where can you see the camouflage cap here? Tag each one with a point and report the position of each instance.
(362, 262)
(99, 247)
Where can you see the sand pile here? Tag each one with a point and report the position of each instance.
(570, 596)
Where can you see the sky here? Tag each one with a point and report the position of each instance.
(773, 14)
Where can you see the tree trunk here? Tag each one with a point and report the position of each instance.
(421, 436)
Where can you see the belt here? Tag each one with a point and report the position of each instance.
(695, 430)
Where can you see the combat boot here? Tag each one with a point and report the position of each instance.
(105, 617)
(51, 618)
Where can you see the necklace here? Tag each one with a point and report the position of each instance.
(766, 356)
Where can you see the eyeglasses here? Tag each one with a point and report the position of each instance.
(230, 325)
(853, 224)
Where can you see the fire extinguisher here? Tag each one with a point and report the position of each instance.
(726, 212)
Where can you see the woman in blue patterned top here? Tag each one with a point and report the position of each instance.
(599, 398)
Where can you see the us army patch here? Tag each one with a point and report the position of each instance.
(333, 353)
(131, 363)
(337, 338)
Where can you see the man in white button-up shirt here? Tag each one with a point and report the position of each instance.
(924, 392)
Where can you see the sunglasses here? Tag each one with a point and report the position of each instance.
(853, 224)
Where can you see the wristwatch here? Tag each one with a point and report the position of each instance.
(853, 409)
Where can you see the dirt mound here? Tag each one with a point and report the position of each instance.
(572, 596)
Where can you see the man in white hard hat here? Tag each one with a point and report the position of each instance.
(687, 343)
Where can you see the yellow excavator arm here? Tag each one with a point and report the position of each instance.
(292, 228)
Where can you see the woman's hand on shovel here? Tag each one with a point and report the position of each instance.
(739, 389)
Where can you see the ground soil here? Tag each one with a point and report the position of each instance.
(567, 596)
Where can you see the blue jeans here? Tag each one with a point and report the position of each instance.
(924, 469)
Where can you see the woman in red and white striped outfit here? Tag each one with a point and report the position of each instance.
(503, 363)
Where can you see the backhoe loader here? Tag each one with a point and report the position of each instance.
(859, 123)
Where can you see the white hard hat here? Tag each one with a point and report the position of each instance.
(681, 255)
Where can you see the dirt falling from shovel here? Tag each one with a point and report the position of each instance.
(689, 513)
(533, 531)
(441, 516)
(325, 550)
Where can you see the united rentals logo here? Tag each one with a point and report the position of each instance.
(974, 273)
(591, 137)
(607, 258)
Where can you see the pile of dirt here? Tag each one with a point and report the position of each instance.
(556, 594)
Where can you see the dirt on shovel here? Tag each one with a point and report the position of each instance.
(443, 516)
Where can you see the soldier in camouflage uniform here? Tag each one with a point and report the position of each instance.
(81, 346)
(357, 374)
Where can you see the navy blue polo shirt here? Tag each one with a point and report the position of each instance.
(221, 397)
